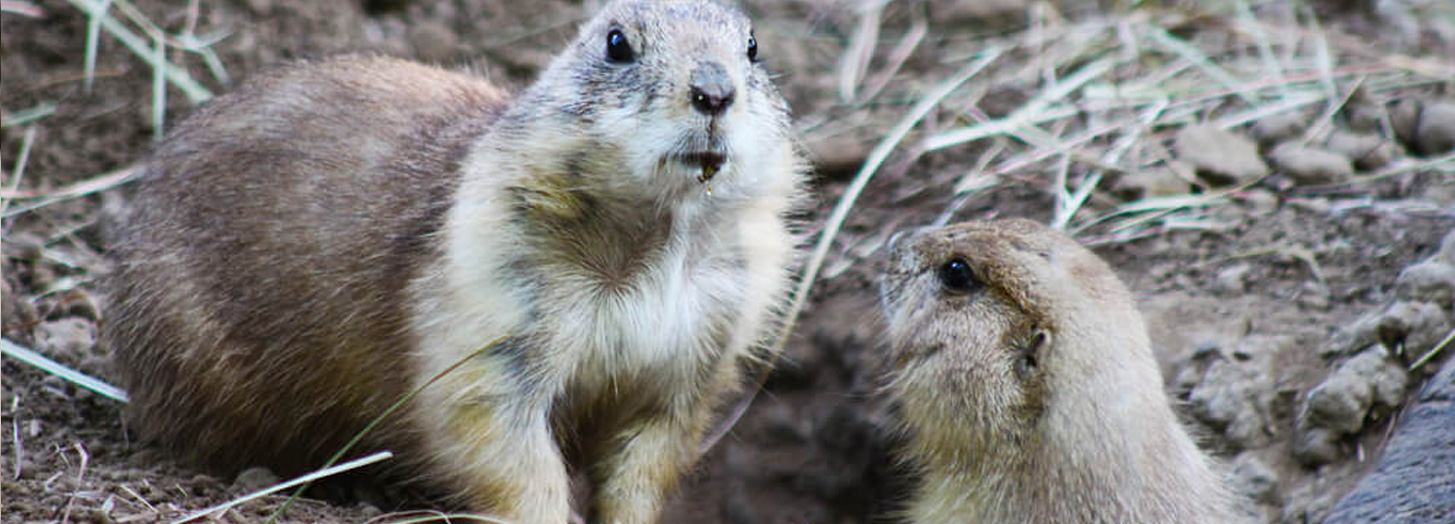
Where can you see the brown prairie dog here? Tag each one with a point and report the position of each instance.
(303, 252)
(1027, 386)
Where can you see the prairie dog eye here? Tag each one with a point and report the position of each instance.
(618, 49)
(752, 48)
(957, 276)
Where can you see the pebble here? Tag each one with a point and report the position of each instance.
(1236, 393)
(1261, 202)
(1342, 402)
(253, 479)
(1428, 128)
(1275, 129)
(1364, 116)
(1429, 281)
(1254, 479)
(1316, 447)
(1220, 157)
(1447, 249)
(1368, 151)
(433, 42)
(1414, 326)
(260, 7)
(69, 336)
(1436, 134)
(1157, 182)
(1233, 279)
(1312, 165)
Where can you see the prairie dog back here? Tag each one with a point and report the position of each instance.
(308, 249)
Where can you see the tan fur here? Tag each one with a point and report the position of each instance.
(1033, 396)
(305, 251)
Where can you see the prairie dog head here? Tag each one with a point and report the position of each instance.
(675, 92)
(1009, 333)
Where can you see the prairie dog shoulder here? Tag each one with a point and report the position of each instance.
(308, 249)
(1027, 385)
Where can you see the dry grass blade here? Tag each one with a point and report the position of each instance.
(322, 473)
(1164, 204)
(1429, 355)
(1036, 111)
(22, 8)
(1201, 60)
(841, 212)
(34, 358)
(20, 163)
(78, 189)
(919, 27)
(854, 63)
(96, 9)
(26, 116)
(1265, 48)
(416, 517)
(871, 165)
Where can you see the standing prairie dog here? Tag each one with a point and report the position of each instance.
(1028, 389)
(307, 250)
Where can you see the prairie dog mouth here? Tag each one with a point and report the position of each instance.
(710, 162)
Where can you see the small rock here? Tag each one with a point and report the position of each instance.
(368, 510)
(1316, 447)
(1314, 297)
(1261, 202)
(433, 42)
(18, 311)
(1316, 205)
(1220, 157)
(1311, 165)
(1414, 327)
(1405, 119)
(260, 7)
(1436, 133)
(25, 246)
(1339, 403)
(1447, 249)
(1254, 479)
(1233, 279)
(1138, 185)
(1275, 129)
(253, 479)
(1368, 151)
(1363, 115)
(1236, 394)
(1430, 281)
(837, 157)
(80, 303)
(1369, 380)
(1427, 128)
(71, 336)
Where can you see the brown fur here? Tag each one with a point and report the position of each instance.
(1031, 395)
(305, 251)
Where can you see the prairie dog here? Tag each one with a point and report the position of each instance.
(1027, 387)
(305, 251)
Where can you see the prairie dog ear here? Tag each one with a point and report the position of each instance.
(1031, 352)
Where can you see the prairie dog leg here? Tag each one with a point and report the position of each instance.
(508, 462)
(641, 464)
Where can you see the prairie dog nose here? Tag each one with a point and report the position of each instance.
(712, 89)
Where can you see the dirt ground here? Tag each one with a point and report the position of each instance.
(1257, 290)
